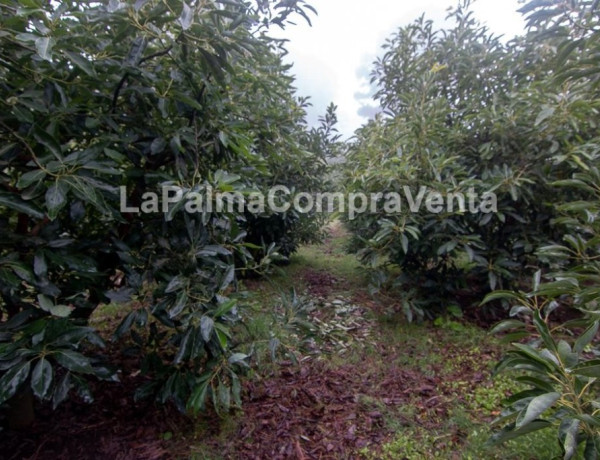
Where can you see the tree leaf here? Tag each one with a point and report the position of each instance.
(502, 295)
(588, 369)
(45, 303)
(206, 327)
(61, 311)
(225, 308)
(506, 325)
(592, 447)
(74, 361)
(544, 331)
(56, 199)
(567, 434)
(180, 303)
(158, 145)
(586, 338)
(536, 407)
(228, 278)
(61, 390)
(236, 389)
(238, 358)
(197, 401)
(40, 267)
(184, 346)
(30, 178)
(567, 357)
(125, 325)
(81, 62)
(12, 380)
(12, 201)
(509, 432)
(139, 4)
(224, 393)
(41, 378)
(187, 17)
(544, 114)
(43, 46)
(175, 284)
(136, 51)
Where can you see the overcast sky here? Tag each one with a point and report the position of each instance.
(333, 58)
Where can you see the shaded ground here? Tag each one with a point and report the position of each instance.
(113, 427)
(366, 385)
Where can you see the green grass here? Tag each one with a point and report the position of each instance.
(465, 431)
(331, 258)
(420, 443)
(107, 317)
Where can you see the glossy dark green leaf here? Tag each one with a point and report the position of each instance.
(588, 369)
(224, 393)
(501, 295)
(13, 201)
(507, 325)
(48, 141)
(544, 114)
(139, 4)
(544, 331)
(73, 361)
(175, 284)
(41, 378)
(228, 277)
(238, 358)
(567, 357)
(13, 380)
(225, 308)
(537, 407)
(184, 346)
(539, 383)
(125, 325)
(236, 389)
(31, 177)
(40, 267)
(197, 401)
(56, 199)
(586, 338)
(158, 145)
(206, 327)
(179, 305)
(567, 434)
(592, 447)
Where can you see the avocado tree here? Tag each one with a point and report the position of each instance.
(477, 124)
(556, 360)
(103, 104)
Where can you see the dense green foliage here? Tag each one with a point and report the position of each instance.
(140, 94)
(466, 113)
(559, 359)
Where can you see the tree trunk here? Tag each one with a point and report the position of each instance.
(20, 411)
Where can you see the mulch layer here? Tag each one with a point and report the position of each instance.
(113, 427)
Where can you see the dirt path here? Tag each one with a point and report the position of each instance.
(363, 379)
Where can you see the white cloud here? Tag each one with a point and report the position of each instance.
(333, 57)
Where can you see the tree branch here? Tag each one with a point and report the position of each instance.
(126, 76)
(155, 55)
